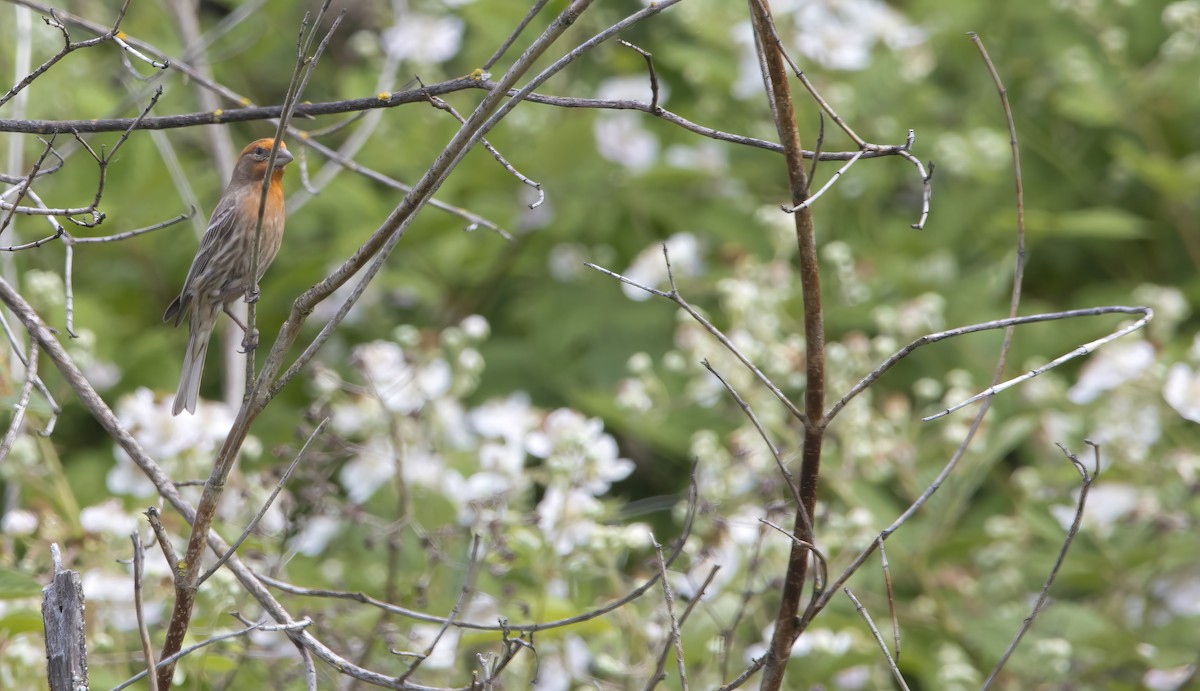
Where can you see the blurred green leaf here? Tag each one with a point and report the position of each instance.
(15, 585)
(1105, 223)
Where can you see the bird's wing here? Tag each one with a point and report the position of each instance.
(221, 226)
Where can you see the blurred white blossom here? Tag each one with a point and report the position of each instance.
(315, 536)
(835, 34)
(182, 444)
(424, 38)
(19, 522)
(108, 518)
(1107, 504)
(403, 387)
(1110, 367)
(650, 269)
(621, 136)
(578, 450)
(1182, 391)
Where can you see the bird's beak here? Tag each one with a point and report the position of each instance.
(282, 157)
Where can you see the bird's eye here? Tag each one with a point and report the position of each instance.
(259, 151)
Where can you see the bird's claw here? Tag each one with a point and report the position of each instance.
(250, 341)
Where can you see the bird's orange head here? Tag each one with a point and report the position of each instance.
(253, 160)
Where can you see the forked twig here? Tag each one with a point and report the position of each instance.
(669, 598)
(674, 296)
(878, 639)
(1147, 315)
(143, 632)
(262, 511)
(1086, 481)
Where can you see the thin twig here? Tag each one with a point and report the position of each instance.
(16, 347)
(878, 639)
(1086, 480)
(1084, 349)
(689, 521)
(650, 68)
(928, 339)
(262, 626)
(783, 471)
(541, 194)
(512, 36)
(143, 632)
(891, 596)
(164, 540)
(22, 405)
(824, 188)
(262, 511)
(467, 589)
(660, 669)
(677, 298)
(669, 598)
(822, 573)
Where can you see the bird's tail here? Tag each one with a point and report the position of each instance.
(199, 332)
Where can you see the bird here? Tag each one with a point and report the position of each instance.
(220, 272)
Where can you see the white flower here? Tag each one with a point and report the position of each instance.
(622, 138)
(19, 522)
(1182, 391)
(1107, 504)
(650, 269)
(577, 449)
(402, 387)
(565, 517)
(316, 534)
(1167, 679)
(705, 157)
(443, 655)
(823, 641)
(565, 261)
(559, 669)
(507, 458)
(176, 441)
(1112, 366)
(108, 517)
(423, 38)
(479, 498)
(374, 465)
(1180, 594)
(509, 418)
(112, 596)
(475, 327)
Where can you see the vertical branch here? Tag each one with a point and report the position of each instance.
(775, 76)
(1086, 481)
(143, 631)
(62, 615)
(187, 582)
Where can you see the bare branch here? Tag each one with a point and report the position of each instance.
(878, 639)
(669, 598)
(660, 670)
(143, 632)
(1084, 349)
(468, 587)
(262, 511)
(899, 355)
(261, 626)
(678, 299)
(650, 68)
(1086, 480)
(22, 405)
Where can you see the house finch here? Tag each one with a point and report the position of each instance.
(220, 272)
